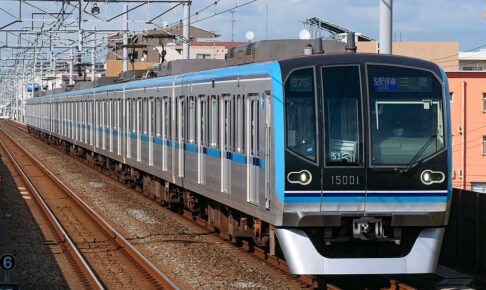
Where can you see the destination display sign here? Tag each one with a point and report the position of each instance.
(402, 84)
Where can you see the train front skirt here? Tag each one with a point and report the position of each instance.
(304, 259)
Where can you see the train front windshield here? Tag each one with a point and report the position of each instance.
(406, 115)
(406, 118)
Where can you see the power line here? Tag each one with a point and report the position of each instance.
(455, 55)
(224, 11)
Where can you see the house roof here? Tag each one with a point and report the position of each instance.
(177, 30)
(226, 44)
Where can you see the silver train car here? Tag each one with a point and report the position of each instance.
(339, 162)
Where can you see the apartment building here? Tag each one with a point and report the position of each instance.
(468, 113)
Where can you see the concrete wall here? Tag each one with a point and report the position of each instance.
(468, 159)
(445, 54)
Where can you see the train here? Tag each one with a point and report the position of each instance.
(336, 160)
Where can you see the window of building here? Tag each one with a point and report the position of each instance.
(133, 56)
(472, 68)
(484, 102)
(203, 56)
(451, 95)
(484, 145)
(478, 186)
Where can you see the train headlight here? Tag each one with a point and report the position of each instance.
(428, 177)
(303, 177)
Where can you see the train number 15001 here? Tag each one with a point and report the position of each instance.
(344, 180)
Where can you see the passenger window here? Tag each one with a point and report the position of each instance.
(192, 120)
(300, 109)
(228, 122)
(240, 123)
(113, 114)
(181, 119)
(158, 116)
(342, 115)
(214, 132)
(145, 116)
(138, 117)
(152, 116)
(166, 122)
(203, 105)
(254, 124)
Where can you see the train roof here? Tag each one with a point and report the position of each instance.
(360, 58)
(253, 59)
(257, 69)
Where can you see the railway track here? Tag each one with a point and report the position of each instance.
(101, 256)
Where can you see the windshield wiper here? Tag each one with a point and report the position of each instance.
(419, 153)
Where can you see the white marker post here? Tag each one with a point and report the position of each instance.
(7, 262)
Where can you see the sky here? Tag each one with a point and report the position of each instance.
(413, 20)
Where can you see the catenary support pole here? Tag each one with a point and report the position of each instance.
(386, 26)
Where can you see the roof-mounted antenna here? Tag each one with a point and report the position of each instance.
(350, 43)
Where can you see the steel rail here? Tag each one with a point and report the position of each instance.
(160, 277)
(62, 234)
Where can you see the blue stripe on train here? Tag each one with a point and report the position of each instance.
(358, 199)
(373, 197)
(212, 152)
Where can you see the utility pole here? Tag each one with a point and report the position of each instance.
(233, 20)
(266, 25)
(93, 58)
(80, 36)
(71, 60)
(386, 26)
(33, 73)
(186, 30)
(125, 38)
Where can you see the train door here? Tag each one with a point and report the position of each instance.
(268, 123)
(129, 126)
(226, 142)
(97, 123)
(181, 128)
(253, 161)
(77, 121)
(104, 123)
(83, 121)
(90, 122)
(202, 137)
(151, 128)
(111, 118)
(145, 115)
(344, 173)
(166, 121)
(118, 112)
(138, 119)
